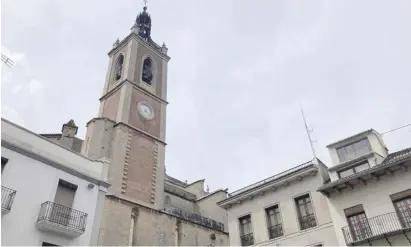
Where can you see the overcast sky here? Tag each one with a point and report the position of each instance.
(237, 73)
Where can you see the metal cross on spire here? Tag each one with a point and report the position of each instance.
(145, 3)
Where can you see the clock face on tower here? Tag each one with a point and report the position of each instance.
(145, 110)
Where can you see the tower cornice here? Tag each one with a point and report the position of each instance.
(134, 35)
(134, 85)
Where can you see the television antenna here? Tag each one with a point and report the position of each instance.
(309, 131)
(7, 60)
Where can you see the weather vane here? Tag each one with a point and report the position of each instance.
(145, 3)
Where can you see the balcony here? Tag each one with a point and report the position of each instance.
(61, 219)
(307, 221)
(377, 227)
(196, 218)
(247, 240)
(275, 231)
(7, 198)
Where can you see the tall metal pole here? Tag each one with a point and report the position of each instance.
(7, 60)
(308, 133)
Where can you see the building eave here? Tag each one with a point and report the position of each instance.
(390, 165)
(353, 161)
(309, 170)
(212, 193)
(367, 132)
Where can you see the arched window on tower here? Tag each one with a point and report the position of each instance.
(119, 67)
(147, 74)
(132, 240)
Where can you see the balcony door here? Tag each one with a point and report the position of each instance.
(360, 229)
(63, 203)
(403, 208)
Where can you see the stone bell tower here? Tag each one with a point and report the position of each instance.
(131, 124)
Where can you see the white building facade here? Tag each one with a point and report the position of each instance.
(282, 210)
(50, 195)
(369, 193)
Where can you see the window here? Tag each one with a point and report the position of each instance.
(275, 228)
(246, 231)
(403, 208)
(356, 169)
(119, 67)
(354, 150)
(48, 244)
(3, 163)
(305, 212)
(147, 74)
(359, 227)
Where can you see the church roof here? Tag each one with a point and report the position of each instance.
(175, 181)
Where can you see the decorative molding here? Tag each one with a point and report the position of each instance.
(136, 86)
(154, 175)
(52, 163)
(153, 138)
(126, 161)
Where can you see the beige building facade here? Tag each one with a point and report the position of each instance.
(369, 193)
(282, 210)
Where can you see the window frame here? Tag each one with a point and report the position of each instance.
(250, 227)
(298, 212)
(123, 57)
(353, 169)
(278, 219)
(355, 151)
(405, 222)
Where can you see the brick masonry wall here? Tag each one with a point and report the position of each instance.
(140, 168)
(152, 227)
(111, 105)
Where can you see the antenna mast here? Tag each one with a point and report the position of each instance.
(308, 133)
(7, 60)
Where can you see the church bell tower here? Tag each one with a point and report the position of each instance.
(131, 125)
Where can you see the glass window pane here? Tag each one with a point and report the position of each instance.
(362, 147)
(346, 173)
(341, 154)
(362, 167)
(350, 152)
(310, 208)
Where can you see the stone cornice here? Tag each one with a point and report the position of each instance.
(99, 118)
(352, 162)
(141, 132)
(285, 181)
(134, 85)
(135, 36)
(348, 140)
(55, 164)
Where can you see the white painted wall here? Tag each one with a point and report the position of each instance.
(375, 198)
(284, 196)
(35, 184)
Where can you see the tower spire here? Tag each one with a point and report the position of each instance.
(143, 23)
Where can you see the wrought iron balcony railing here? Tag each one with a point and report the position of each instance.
(275, 231)
(63, 216)
(7, 198)
(307, 221)
(247, 240)
(377, 226)
(196, 218)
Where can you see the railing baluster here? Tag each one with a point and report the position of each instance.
(7, 197)
(63, 215)
(375, 226)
